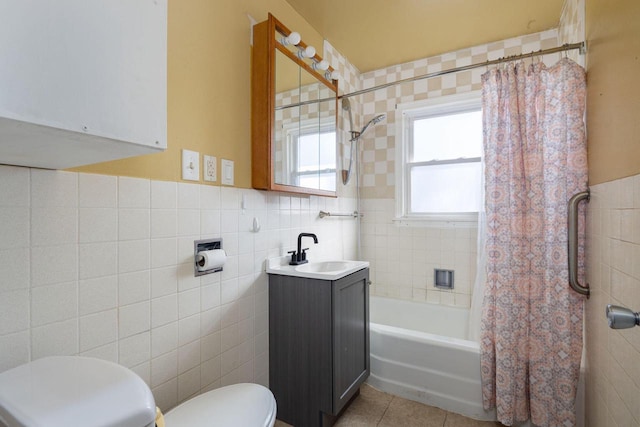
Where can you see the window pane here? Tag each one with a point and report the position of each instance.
(308, 152)
(445, 188)
(447, 137)
(328, 150)
(328, 181)
(323, 181)
(309, 181)
(316, 151)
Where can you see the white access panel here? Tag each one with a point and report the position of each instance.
(82, 71)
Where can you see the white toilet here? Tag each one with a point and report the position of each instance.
(69, 391)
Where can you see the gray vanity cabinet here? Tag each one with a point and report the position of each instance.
(318, 345)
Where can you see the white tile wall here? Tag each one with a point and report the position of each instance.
(101, 266)
(613, 274)
(403, 258)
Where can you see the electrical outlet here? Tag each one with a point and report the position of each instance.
(210, 168)
(190, 165)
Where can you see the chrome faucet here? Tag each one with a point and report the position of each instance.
(300, 257)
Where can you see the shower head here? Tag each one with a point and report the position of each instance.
(355, 136)
(377, 119)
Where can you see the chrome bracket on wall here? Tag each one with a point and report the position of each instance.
(573, 243)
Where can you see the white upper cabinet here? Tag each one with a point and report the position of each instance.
(82, 81)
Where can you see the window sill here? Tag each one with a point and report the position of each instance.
(438, 221)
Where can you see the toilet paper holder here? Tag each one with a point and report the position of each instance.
(205, 245)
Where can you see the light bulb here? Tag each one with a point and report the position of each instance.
(322, 65)
(333, 75)
(293, 38)
(308, 52)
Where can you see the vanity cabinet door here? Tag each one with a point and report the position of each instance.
(300, 350)
(350, 336)
(318, 345)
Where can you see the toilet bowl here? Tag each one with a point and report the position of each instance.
(65, 391)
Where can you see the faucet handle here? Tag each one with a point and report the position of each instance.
(293, 255)
(303, 254)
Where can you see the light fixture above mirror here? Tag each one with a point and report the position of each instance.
(294, 114)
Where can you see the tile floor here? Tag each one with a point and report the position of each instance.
(376, 408)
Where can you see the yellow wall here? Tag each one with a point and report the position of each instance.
(209, 89)
(209, 86)
(613, 102)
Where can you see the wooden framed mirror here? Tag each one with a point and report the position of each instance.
(294, 116)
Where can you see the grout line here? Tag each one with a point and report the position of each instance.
(385, 410)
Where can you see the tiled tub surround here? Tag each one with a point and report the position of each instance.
(613, 273)
(102, 266)
(403, 257)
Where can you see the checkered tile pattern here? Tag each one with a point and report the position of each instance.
(349, 75)
(378, 179)
(571, 28)
(349, 82)
(377, 148)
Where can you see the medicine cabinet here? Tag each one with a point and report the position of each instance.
(294, 111)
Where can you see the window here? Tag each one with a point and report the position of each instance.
(311, 155)
(438, 159)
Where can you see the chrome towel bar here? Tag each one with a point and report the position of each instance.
(573, 243)
(353, 214)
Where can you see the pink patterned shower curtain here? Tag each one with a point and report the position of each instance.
(535, 160)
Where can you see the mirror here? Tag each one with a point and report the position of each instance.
(293, 117)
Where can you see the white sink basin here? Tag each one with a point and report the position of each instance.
(323, 267)
(326, 270)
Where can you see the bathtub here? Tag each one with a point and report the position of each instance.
(419, 352)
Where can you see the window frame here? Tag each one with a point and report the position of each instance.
(292, 133)
(404, 115)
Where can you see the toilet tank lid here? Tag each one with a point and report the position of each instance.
(64, 391)
(237, 405)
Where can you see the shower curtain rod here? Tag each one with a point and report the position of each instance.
(563, 48)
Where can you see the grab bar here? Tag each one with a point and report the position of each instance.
(573, 243)
(353, 214)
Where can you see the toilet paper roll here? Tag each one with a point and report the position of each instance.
(208, 260)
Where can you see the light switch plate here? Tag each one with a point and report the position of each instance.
(227, 171)
(210, 168)
(190, 165)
